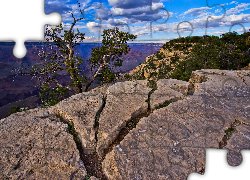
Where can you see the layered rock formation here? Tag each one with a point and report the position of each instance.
(158, 62)
(133, 131)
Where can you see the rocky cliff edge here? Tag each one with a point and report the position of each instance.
(130, 131)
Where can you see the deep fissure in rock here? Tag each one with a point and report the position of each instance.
(97, 117)
(164, 104)
(149, 96)
(90, 161)
(93, 162)
(229, 132)
(131, 124)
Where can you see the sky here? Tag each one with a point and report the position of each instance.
(155, 21)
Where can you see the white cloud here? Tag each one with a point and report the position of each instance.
(196, 11)
(243, 30)
(92, 24)
(218, 32)
(128, 4)
(234, 2)
(90, 39)
(135, 11)
(239, 8)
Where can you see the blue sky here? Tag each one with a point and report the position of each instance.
(154, 20)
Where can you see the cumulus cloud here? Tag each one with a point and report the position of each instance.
(103, 13)
(218, 32)
(90, 39)
(239, 8)
(115, 22)
(135, 11)
(57, 6)
(128, 4)
(196, 11)
(234, 2)
(245, 29)
(92, 24)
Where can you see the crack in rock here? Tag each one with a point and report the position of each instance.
(228, 133)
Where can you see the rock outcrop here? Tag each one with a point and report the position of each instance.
(81, 109)
(170, 143)
(133, 131)
(168, 90)
(155, 63)
(125, 101)
(35, 145)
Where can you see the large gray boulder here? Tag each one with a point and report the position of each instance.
(168, 90)
(212, 110)
(35, 145)
(81, 109)
(125, 101)
(170, 143)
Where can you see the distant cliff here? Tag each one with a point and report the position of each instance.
(130, 131)
(179, 57)
(160, 64)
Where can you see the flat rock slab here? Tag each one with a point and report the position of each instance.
(177, 85)
(35, 145)
(125, 100)
(165, 93)
(239, 140)
(81, 109)
(170, 143)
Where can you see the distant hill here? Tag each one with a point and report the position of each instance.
(179, 57)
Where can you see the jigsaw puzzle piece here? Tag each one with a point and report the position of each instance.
(215, 162)
(165, 11)
(239, 139)
(185, 27)
(214, 17)
(89, 14)
(27, 22)
(226, 98)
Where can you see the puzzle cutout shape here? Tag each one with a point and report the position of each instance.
(176, 139)
(193, 133)
(22, 26)
(217, 168)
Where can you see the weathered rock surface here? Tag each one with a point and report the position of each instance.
(35, 145)
(81, 109)
(170, 143)
(124, 101)
(168, 90)
(177, 85)
(239, 140)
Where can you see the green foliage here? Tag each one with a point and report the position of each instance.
(59, 56)
(51, 96)
(229, 130)
(15, 109)
(87, 177)
(164, 104)
(159, 55)
(228, 52)
(104, 59)
(106, 75)
(71, 130)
